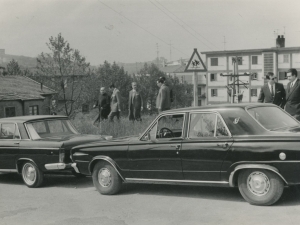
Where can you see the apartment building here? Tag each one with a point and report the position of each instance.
(256, 62)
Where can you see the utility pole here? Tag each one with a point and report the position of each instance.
(157, 59)
(170, 51)
(224, 43)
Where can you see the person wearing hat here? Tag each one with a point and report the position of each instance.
(293, 94)
(272, 92)
(163, 100)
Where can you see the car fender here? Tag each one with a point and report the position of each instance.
(19, 161)
(107, 159)
(232, 177)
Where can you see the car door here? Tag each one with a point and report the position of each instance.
(158, 157)
(205, 148)
(9, 146)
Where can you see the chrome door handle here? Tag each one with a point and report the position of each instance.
(16, 143)
(224, 145)
(176, 146)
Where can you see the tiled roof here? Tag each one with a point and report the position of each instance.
(21, 88)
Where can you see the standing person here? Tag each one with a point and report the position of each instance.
(135, 103)
(272, 92)
(293, 94)
(115, 105)
(163, 101)
(103, 103)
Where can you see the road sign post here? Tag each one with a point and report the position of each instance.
(195, 65)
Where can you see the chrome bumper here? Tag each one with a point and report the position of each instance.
(61, 166)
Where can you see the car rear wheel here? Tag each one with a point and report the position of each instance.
(32, 176)
(260, 187)
(106, 179)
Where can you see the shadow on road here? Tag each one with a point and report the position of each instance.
(50, 180)
(290, 197)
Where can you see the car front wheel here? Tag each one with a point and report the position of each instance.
(106, 179)
(32, 175)
(260, 187)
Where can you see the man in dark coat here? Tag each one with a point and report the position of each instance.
(293, 93)
(272, 92)
(163, 100)
(103, 103)
(135, 103)
(115, 105)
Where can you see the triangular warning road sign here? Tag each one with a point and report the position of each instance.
(195, 63)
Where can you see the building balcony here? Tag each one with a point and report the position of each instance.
(202, 96)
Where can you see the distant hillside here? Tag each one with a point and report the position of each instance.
(23, 61)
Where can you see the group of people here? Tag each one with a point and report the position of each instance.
(110, 106)
(289, 99)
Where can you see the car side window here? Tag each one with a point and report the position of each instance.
(9, 131)
(170, 126)
(202, 125)
(221, 130)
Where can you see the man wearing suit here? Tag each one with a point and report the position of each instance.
(115, 105)
(293, 94)
(103, 103)
(163, 101)
(135, 103)
(272, 92)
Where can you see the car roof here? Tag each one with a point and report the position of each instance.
(22, 119)
(220, 107)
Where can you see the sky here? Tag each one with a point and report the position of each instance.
(134, 30)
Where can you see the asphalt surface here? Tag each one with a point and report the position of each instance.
(65, 200)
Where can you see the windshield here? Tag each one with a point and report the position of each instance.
(272, 118)
(50, 128)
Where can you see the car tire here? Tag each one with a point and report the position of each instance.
(260, 187)
(32, 176)
(78, 175)
(106, 179)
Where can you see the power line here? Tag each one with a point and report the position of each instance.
(186, 24)
(140, 26)
(179, 24)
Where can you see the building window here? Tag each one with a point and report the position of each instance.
(34, 110)
(253, 92)
(282, 76)
(254, 60)
(286, 58)
(85, 108)
(214, 92)
(254, 76)
(214, 61)
(10, 111)
(213, 77)
(199, 90)
(240, 60)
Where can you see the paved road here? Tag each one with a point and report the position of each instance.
(69, 200)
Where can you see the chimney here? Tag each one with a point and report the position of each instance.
(280, 41)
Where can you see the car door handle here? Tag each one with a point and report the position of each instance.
(224, 145)
(16, 143)
(176, 146)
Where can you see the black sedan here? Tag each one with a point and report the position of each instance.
(34, 145)
(252, 146)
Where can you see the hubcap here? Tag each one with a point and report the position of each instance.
(258, 183)
(104, 177)
(29, 174)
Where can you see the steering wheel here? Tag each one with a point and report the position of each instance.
(163, 134)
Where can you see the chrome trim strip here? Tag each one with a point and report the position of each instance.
(9, 170)
(175, 181)
(79, 154)
(254, 166)
(55, 166)
(109, 160)
(29, 135)
(74, 165)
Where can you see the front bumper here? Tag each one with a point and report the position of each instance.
(61, 166)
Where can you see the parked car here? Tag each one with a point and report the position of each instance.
(252, 146)
(34, 145)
